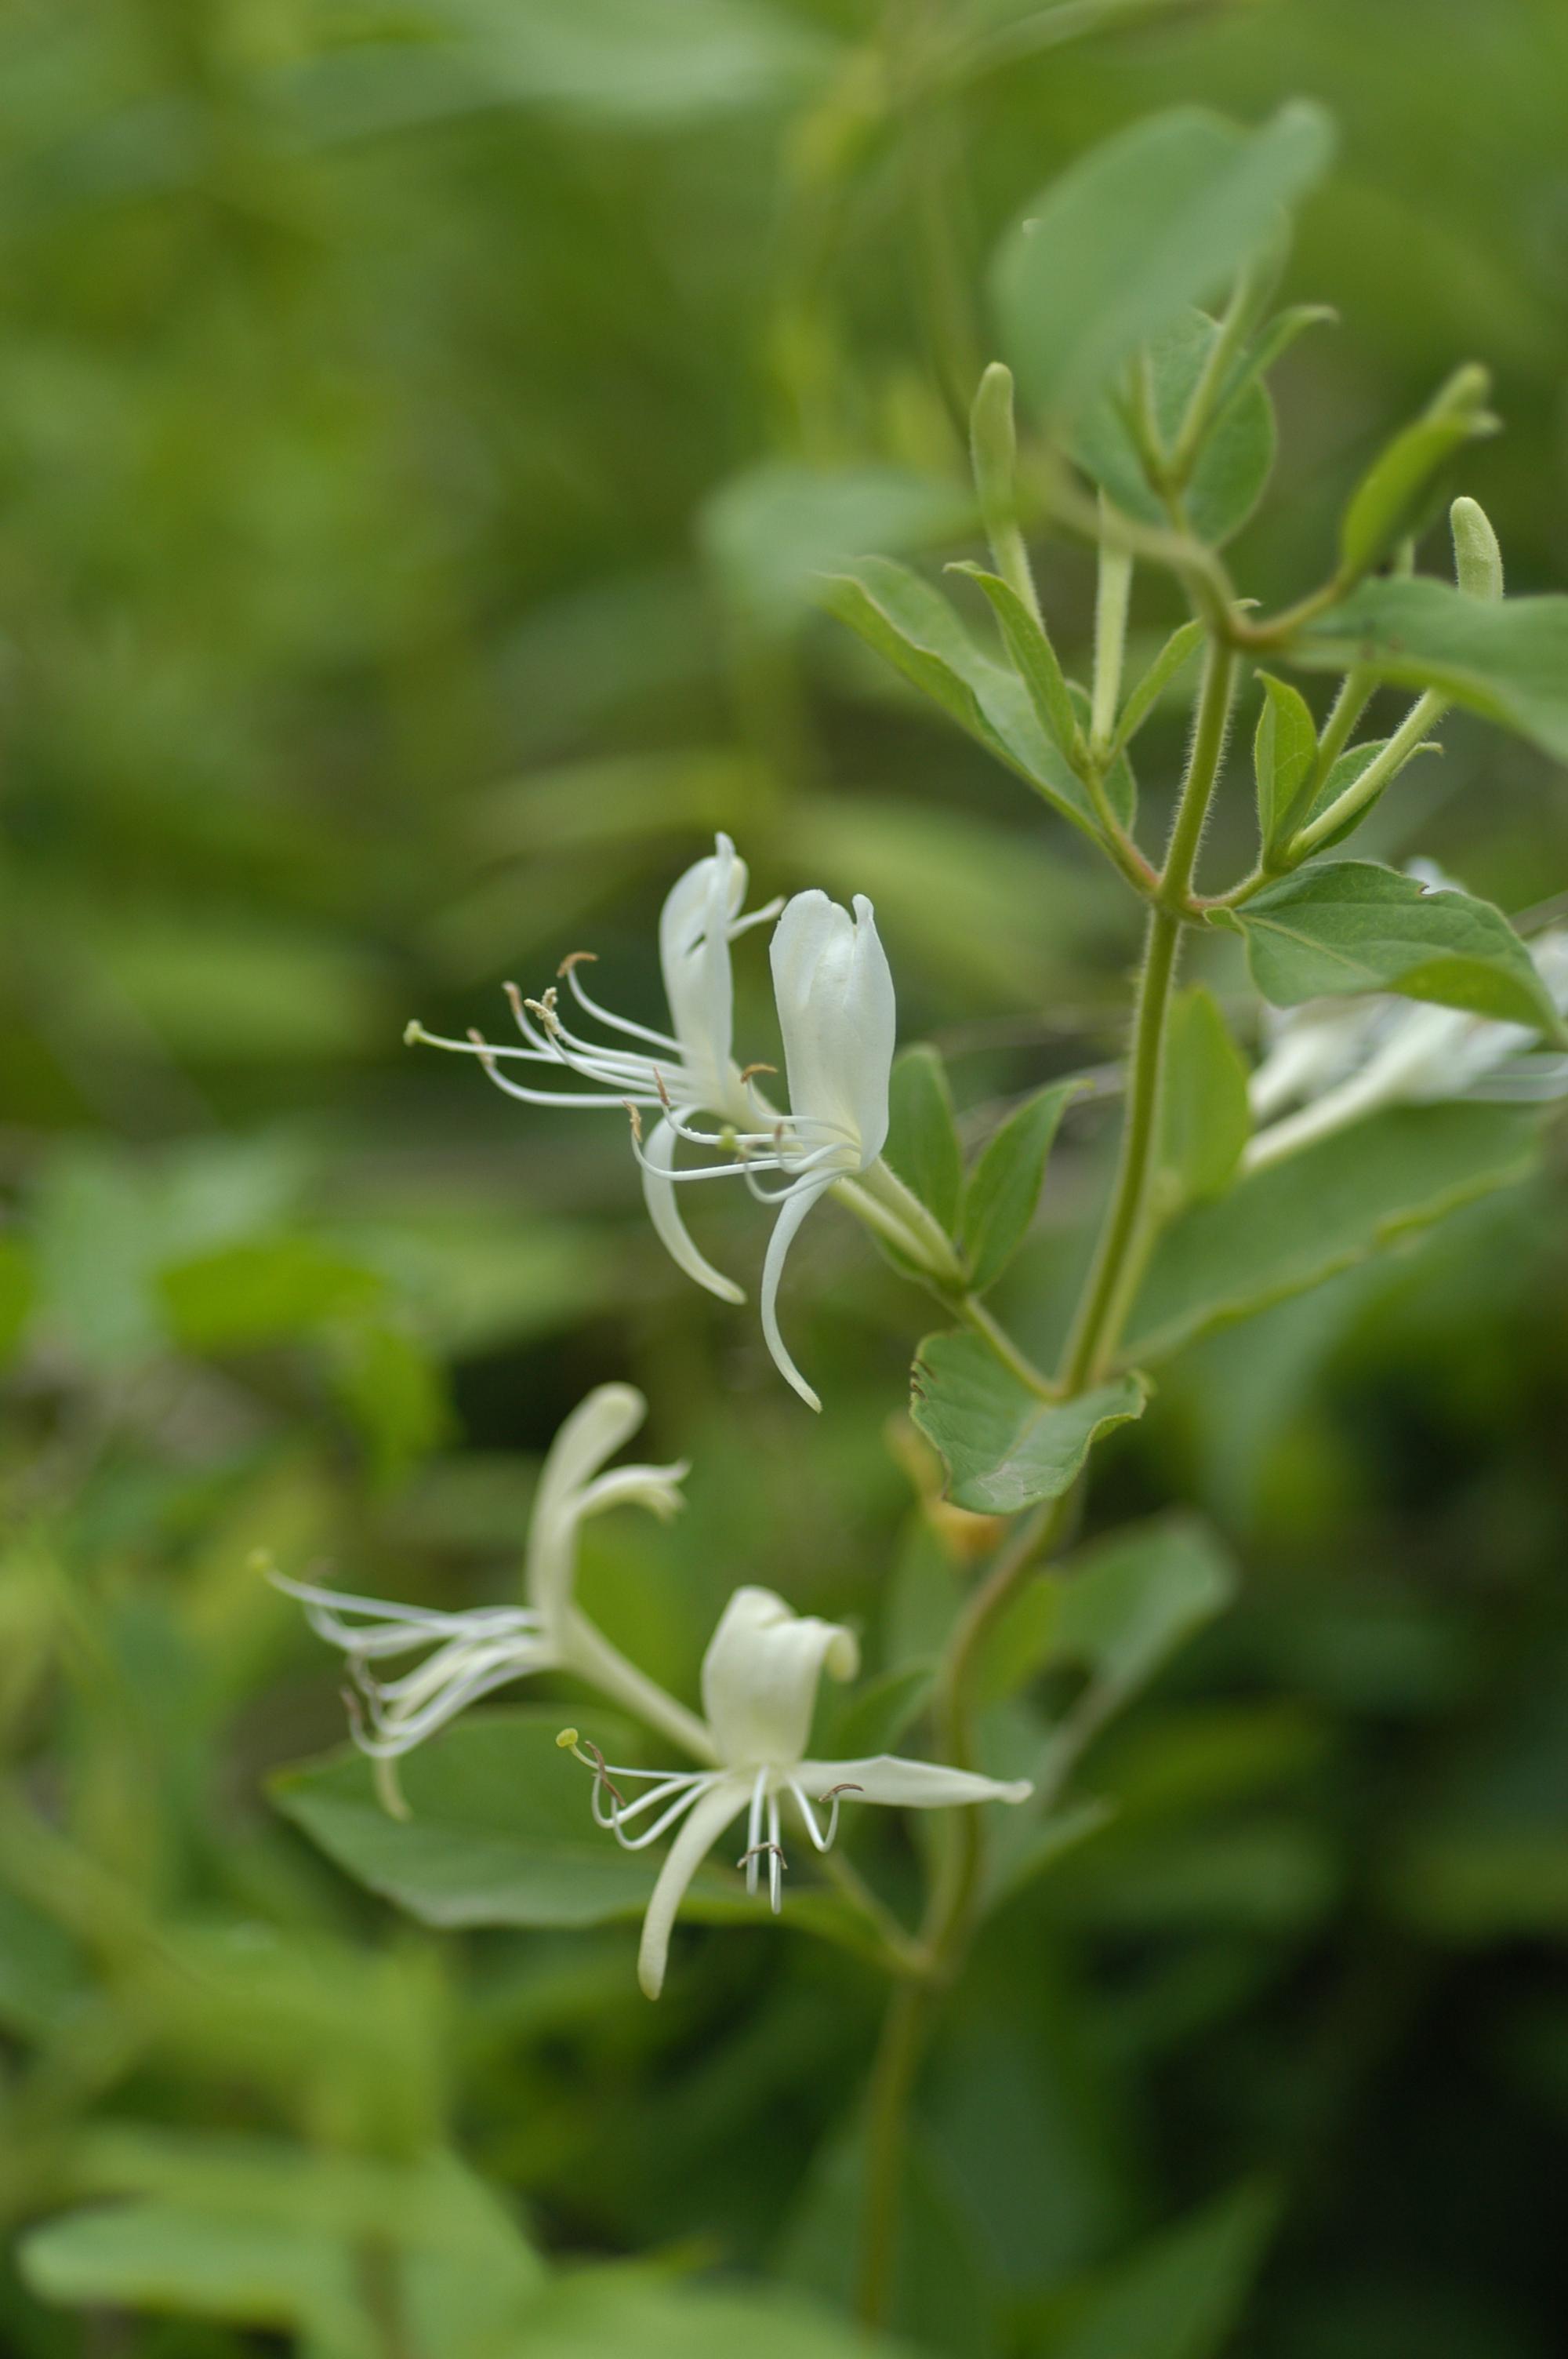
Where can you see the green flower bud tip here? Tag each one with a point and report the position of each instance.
(993, 440)
(1477, 559)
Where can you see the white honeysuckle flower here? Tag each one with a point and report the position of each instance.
(833, 989)
(760, 1677)
(837, 1014)
(1338, 1061)
(672, 1075)
(467, 1654)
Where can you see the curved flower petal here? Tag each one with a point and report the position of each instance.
(836, 1012)
(760, 1676)
(707, 1820)
(794, 1209)
(694, 952)
(595, 1428)
(908, 1785)
(661, 1198)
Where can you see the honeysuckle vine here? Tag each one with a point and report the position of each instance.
(1381, 996)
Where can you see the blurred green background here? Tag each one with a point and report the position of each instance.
(418, 427)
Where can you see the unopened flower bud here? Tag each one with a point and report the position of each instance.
(1477, 559)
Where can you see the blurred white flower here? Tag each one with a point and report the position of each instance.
(760, 1677)
(1338, 1061)
(469, 1654)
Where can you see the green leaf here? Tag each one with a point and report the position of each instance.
(1157, 219)
(245, 1294)
(773, 532)
(1033, 656)
(1334, 1204)
(1235, 459)
(910, 623)
(1181, 2295)
(1168, 665)
(169, 2257)
(1004, 1187)
(499, 1831)
(1389, 499)
(1507, 660)
(1003, 1446)
(1205, 1120)
(922, 1142)
(1343, 926)
(1121, 1609)
(1284, 753)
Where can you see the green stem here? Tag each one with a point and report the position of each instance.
(1355, 695)
(1406, 740)
(1112, 595)
(1093, 1334)
(893, 2084)
(975, 1315)
(950, 1915)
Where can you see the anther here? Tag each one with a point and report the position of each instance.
(635, 1113)
(747, 1070)
(577, 958)
(570, 1741)
(846, 1788)
(664, 1094)
(764, 1851)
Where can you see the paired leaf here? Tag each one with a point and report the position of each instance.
(1004, 1187)
(1005, 1447)
(1284, 755)
(1156, 220)
(915, 628)
(1205, 1120)
(1507, 660)
(1334, 1204)
(1391, 498)
(922, 1142)
(1235, 460)
(1340, 927)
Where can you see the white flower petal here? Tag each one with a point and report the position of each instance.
(707, 1822)
(694, 952)
(793, 1211)
(595, 1428)
(907, 1785)
(661, 1198)
(836, 1012)
(760, 1676)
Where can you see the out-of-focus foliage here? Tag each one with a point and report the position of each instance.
(421, 430)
